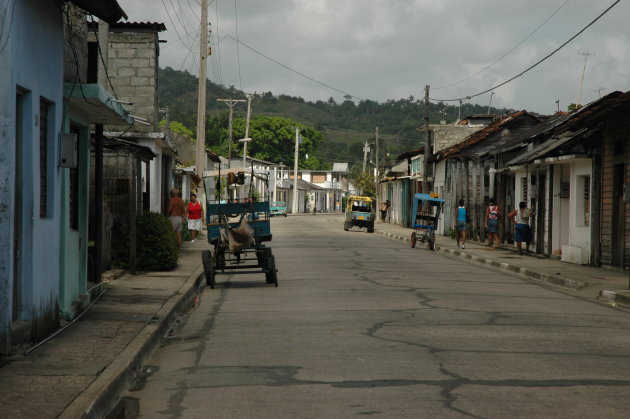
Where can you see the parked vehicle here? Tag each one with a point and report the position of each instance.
(425, 215)
(279, 208)
(360, 212)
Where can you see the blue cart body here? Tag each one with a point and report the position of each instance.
(425, 215)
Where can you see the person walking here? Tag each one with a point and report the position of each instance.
(194, 213)
(493, 215)
(461, 223)
(522, 231)
(384, 208)
(176, 209)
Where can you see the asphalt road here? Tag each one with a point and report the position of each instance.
(362, 325)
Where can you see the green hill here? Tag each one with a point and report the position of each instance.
(345, 126)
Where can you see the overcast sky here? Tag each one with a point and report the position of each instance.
(380, 49)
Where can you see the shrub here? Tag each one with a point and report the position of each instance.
(157, 248)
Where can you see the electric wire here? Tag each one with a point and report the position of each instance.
(291, 69)
(218, 49)
(506, 54)
(535, 64)
(238, 55)
(175, 26)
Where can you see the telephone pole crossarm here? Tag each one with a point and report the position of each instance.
(230, 103)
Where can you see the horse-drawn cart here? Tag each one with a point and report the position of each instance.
(237, 231)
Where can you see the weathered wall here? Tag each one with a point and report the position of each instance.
(614, 227)
(133, 65)
(445, 136)
(33, 60)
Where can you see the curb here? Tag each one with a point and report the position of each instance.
(101, 396)
(514, 269)
(615, 296)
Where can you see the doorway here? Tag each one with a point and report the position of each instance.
(18, 188)
(618, 216)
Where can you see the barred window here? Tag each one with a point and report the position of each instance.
(43, 157)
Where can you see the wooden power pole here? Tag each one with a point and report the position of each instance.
(231, 103)
(427, 143)
(200, 160)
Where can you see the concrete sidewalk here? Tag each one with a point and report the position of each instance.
(82, 371)
(587, 281)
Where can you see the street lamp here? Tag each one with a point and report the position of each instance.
(244, 141)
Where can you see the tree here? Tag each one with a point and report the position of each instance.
(365, 182)
(273, 139)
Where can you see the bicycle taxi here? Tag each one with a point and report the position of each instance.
(425, 216)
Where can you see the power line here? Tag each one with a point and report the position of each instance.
(290, 69)
(507, 53)
(238, 55)
(218, 54)
(534, 65)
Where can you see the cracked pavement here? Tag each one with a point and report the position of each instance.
(361, 325)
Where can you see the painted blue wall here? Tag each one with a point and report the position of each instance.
(32, 60)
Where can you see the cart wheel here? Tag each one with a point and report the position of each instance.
(432, 244)
(274, 271)
(208, 268)
(413, 239)
(346, 227)
(370, 229)
(271, 276)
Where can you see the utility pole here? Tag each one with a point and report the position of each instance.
(230, 103)
(200, 159)
(377, 167)
(489, 104)
(585, 54)
(366, 149)
(294, 210)
(600, 91)
(427, 144)
(249, 110)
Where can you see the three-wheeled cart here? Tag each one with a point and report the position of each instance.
(425, 215)
(224, 214)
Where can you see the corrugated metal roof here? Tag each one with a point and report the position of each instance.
(481, 136)
(108, 10)
(153, 26)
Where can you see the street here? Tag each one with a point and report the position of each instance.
(362, 325)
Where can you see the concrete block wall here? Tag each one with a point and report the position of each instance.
(133, 67)
(445, 136)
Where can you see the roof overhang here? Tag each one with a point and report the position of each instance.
(108, 10)
(99, 105)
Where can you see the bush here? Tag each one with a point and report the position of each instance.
(157, 248)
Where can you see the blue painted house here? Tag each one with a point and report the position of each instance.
(44, 173)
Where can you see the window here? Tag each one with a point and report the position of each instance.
(524, 192)
(44, 144)
(583, 209)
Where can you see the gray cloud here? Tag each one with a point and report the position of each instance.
(379, 49)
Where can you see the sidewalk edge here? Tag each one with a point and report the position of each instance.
(514, 269)
(99, 398)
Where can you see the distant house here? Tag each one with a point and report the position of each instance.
(45, 164)
(401, 179)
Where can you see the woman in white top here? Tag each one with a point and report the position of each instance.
(522, 232)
